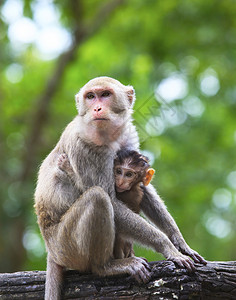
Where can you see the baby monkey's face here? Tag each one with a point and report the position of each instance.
(131, 168)
(125, 178)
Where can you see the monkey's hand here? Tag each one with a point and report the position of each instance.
(183, 247)
(139, 269)
(193, 254)
(183, 261)
(64, 163)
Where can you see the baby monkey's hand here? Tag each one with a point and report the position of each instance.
(64, 163)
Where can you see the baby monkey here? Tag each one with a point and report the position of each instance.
(131, 169)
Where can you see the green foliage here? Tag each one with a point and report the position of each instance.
(190, 139)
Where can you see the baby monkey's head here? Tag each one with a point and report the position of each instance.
(131, 168)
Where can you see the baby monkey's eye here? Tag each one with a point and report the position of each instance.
(118, 171)
(90, 96)
(129, 174)
(106, 94)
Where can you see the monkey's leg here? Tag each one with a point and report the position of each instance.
(128, 249)
(123, 248)
(84, 239)
(155, 209)
(85, 235)
(118, 251)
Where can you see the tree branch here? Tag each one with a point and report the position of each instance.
(216, 280)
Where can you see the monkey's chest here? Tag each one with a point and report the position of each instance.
(96, 169)
(98, 177)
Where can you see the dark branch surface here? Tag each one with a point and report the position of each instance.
(216, 280)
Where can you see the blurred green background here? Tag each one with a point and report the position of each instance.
(180, 56)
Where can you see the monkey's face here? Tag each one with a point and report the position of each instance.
(105, 103)
(125, 178)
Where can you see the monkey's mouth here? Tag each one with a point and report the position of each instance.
(100, 119)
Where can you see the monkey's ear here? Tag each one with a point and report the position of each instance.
(131, 94)
(79, 104)
(148, 177)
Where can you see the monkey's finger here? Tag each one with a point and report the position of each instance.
(195, 258)
(147, 273)
(144, 262)
(200, 259)
(144, 275)
(135, 274)
(144, 258)
(179, 263)
(141, 274)
(194, 255)
(189, 265)
(146, 278)
(138, 278)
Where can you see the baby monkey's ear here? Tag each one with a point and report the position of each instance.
(148, 177)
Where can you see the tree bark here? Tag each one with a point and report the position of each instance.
(216, 280)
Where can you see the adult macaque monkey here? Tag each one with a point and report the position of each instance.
(79, 222)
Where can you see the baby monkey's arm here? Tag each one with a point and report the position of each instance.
(65, 166)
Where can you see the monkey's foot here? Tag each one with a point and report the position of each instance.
(140, 269)
(136, 267)
(64, 163)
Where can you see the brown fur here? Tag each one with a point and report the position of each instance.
(132, 198)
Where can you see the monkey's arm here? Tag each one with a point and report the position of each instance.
(155, 209)
(132, 226)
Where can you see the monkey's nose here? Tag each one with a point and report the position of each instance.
(120, 184)
(97, 109)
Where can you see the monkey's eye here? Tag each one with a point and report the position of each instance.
(106, 94)
(129, 174)
(90, 96)
(118, 171)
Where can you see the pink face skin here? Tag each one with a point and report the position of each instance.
(124, 178)
(103, 111)
(99, 102)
